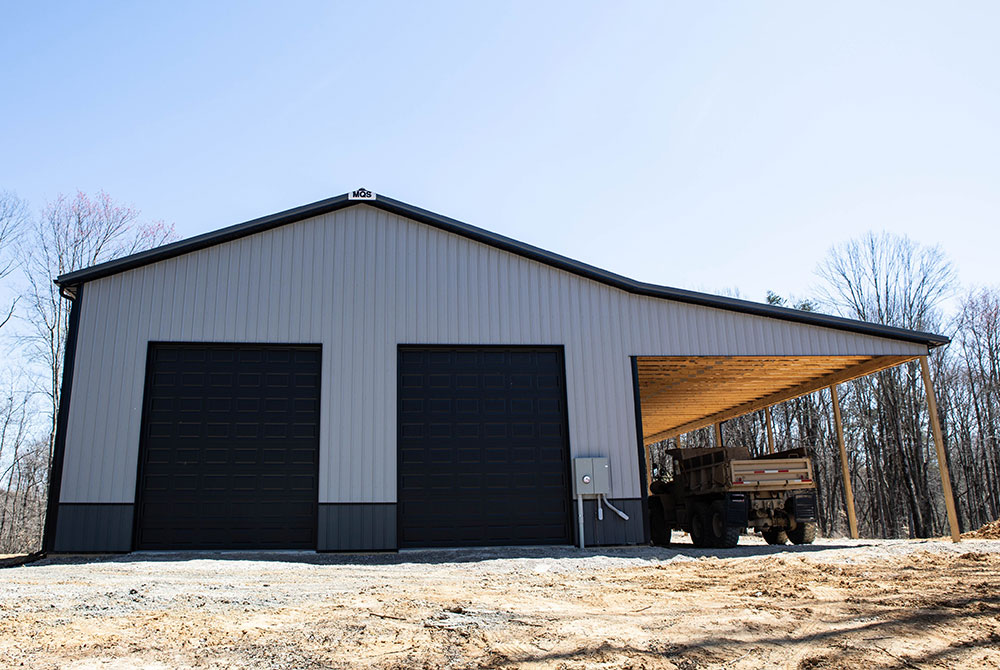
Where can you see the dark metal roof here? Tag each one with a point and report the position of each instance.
(499, 241)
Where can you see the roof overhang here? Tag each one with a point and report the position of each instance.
(679, 394)
(500, 242)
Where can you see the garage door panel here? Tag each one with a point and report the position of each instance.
(483, 454)
(230, 461)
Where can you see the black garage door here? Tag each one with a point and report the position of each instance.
(483, 449)
(230, 447)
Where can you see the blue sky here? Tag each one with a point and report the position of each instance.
(704, 145)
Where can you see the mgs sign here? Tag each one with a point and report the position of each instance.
(361, 194)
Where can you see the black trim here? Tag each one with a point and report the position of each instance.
(74, 536)
(613, 531)
(399, 440)
(500, 242)
(62, 419)
(642, 449)
(353, 544)
(205, 240)
(574, 526)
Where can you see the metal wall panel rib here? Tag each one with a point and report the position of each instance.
(86, 528)
(613, 530)
(357, 527)
(360, 281)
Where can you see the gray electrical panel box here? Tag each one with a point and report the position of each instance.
(591, 476)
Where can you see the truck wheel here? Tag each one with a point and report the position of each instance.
(701, 525)
(804, 533)
(724, 536)
(774, 536)
(659, 532)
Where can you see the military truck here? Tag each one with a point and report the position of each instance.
(717, 493)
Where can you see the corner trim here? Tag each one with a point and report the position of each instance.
(641, 449)
(62, 419)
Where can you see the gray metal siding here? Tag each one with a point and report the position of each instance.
(360, 281)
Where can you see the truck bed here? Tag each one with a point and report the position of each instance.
(715, 470)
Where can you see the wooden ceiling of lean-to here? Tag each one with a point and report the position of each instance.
(679, 394)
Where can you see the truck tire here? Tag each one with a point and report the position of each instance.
(775, 536)
(804, 533)
(659, 532)
(701, 524)
(724, 536)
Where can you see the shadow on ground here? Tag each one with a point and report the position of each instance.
(728, 646)
(433, 556)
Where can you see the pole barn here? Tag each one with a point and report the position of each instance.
(360, 374)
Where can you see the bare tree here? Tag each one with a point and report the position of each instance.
(891, 280)
(17, 454)
(72, 233)
(13, 215)
(888, 279)
(971, 407)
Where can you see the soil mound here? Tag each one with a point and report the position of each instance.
(989, 531)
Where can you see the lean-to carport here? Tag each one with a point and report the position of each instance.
(680, 394)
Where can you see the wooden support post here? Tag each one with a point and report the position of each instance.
(718, 434)
(949, 499)
(770, 430)
(649, 469)
(852, 519)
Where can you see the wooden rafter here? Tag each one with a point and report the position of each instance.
(681, 394)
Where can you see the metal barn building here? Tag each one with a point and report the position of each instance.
(362, 374)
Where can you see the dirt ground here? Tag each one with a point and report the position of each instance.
(836, 604)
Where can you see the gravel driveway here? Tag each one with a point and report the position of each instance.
(838, 603)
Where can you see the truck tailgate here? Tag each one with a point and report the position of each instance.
(772, 474)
